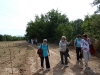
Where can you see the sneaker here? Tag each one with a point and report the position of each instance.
(48, 69)
(80, 58)
(42, 68)
(81, 67)
(62, 64)
(87, 67)
(66, 66)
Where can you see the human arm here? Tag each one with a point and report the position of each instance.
(75, 44)
(60, 47)
(40, 46)
(69, 42)
(48, 51)
(83, 45)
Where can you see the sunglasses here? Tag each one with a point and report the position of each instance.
(45, 41)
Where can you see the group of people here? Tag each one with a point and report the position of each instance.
(81, 44)
(34, 41)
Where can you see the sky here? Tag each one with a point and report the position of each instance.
(14, 14)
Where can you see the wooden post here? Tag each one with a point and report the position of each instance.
(11, 62)
(19, 51)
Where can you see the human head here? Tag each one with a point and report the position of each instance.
(44, 41)
(78, 36)
(63, 38)
(84, 36)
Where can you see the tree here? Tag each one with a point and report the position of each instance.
(97, 3)
(45, 25)
(91, 26)
(10, 38)
(1, 37)
(77, 26)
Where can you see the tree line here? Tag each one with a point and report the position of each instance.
(10, 38)
(54, 24)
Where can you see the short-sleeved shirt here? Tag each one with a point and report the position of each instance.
(78, 42)
(85, 45)
(45, 49)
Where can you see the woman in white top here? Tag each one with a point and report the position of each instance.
(63, 46)
(85, 48)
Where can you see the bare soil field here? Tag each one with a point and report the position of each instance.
(20, 58)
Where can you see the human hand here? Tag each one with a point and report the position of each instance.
(85, 48)
(75, 48)
(81, 51)
(70, 41)
(63, 51)
(49, 54)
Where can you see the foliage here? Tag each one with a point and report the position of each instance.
(97, 3)
(52, 26)
(10, 38)
(91, 26)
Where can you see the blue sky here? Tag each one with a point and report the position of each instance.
(14, 14)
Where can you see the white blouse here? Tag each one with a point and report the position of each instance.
(85, 45)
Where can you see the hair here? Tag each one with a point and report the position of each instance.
(63, 37)
(84, 35)
(78, 35)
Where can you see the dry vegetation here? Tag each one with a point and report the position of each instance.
(20, 58)
(17, 51)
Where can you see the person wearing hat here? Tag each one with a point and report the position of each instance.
(77, 45)
(62, 49)
(45, 53)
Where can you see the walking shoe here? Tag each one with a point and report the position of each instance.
(66, 65)
(48, 69)
(42, 68)
(62, 64)
(87, 67)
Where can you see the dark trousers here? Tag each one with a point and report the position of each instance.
(36, 43)
(65, 55)
(46, 60)
(79, 53)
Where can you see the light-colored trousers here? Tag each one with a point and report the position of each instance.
(86, 56)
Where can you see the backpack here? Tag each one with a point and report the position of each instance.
(76, 42)
(39, 52)
(92, 50)
(67, 51)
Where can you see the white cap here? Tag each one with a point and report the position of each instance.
(45, 40)
(63, 37)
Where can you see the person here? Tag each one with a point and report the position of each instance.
(77, 45)
(36, 41)
(45, 53)
(85, 48)
(31, 41)
(62, 48)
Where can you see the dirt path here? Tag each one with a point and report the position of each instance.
(32, 65)
(26, 61)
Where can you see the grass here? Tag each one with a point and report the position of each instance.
(16, 57)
